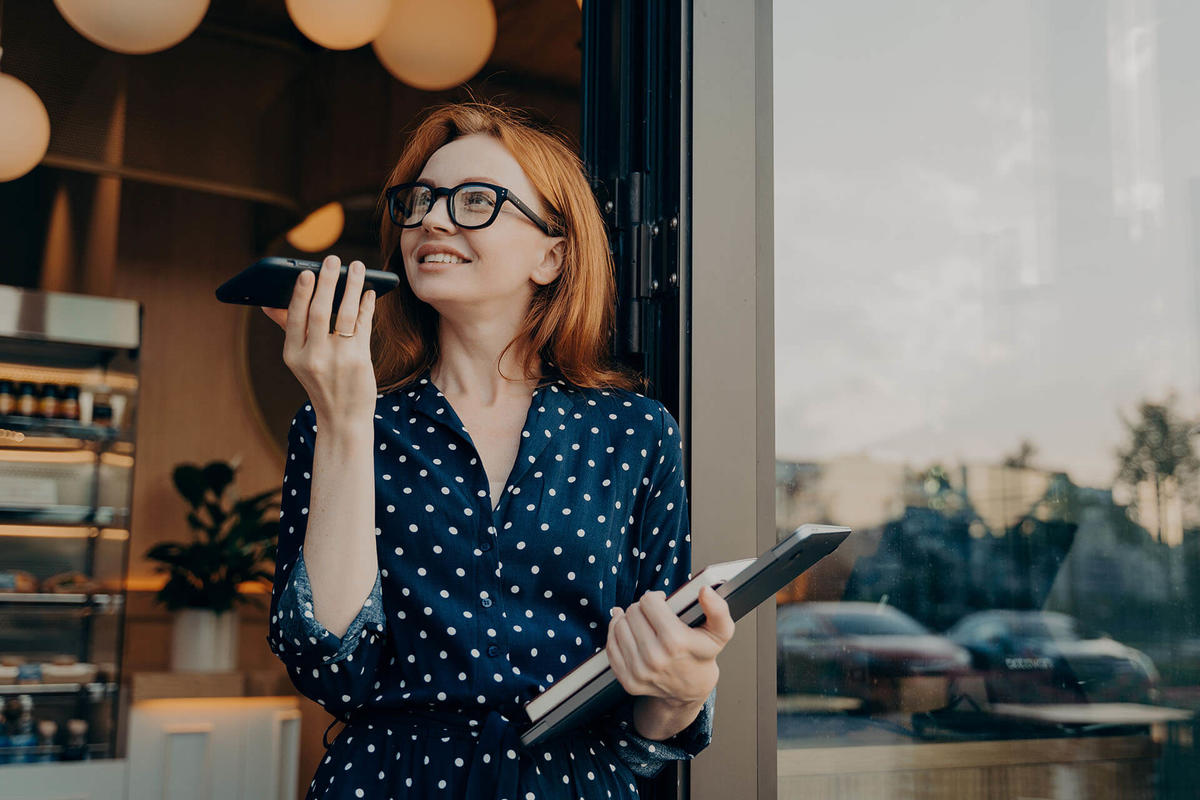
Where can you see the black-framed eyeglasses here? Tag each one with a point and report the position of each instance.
(472, 205)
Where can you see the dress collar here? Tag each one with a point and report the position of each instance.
(549, 414)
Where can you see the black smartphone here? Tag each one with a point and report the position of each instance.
(269, 282)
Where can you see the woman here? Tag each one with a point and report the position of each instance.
(456, 539)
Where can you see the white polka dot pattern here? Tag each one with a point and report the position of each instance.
(480, 608)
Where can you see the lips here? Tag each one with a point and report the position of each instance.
(440, 252)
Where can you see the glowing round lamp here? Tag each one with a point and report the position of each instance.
(339, 24)
(134, 26)
(435, 46)
(25, 134)
(319, 230)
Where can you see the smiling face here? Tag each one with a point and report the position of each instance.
(492, 269)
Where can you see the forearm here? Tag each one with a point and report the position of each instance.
(339, 546)
(658, 719)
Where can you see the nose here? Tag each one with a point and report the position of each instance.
(438, 215)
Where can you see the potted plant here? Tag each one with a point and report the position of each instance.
(230, 547)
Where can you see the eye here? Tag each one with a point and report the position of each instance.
(479, 198)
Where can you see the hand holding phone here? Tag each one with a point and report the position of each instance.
(335, 370)
(304, 293)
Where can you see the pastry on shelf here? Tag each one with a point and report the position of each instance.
(70, 672)
(70, 583)
(16, 580)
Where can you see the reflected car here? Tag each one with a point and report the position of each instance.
(858, 650)
(1049, 657)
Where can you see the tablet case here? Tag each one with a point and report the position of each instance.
(769, 573)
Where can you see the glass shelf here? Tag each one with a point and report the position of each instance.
(65, 515)
(100, 601)
(96, 690)
(36, 427)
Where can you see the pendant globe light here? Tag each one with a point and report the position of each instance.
(25, 131)
(25, 134)
(134, 26)
(320, 230)
(339, 24)
(435, 46)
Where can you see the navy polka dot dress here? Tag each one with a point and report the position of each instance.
(476, 610)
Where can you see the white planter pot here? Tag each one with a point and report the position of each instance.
(204, 641)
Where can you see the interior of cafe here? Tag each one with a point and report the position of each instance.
(180, 143)
(926, 272)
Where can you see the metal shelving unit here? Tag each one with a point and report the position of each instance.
(66, 491)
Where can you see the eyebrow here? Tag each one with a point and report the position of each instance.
(464, 180)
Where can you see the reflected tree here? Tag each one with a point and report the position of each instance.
(1023, 458)
(1159, 453)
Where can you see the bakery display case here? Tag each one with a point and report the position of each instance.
(68, 407)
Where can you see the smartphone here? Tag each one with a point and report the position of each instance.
(269, 282)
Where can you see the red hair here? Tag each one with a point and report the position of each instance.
(570, 321)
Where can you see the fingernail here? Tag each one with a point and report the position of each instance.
(612, 612)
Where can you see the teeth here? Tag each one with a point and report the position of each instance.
(442, 258)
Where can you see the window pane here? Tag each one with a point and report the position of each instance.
(987, 318)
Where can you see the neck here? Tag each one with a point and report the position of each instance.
(479, 374)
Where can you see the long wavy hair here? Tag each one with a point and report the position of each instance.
(570, 321)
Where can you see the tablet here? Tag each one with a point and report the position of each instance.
(759, 581)
(773, 570)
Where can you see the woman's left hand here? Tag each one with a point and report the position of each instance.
(654, 653)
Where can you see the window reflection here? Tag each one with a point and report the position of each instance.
(987, 319)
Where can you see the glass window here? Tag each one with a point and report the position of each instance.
(987, 305)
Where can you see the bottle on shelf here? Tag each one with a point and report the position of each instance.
(27, 400)
(5, 749)
(102, 415)
(76, 747)
(47, 401)
(8, 397)
(47, 731)
(69, 407)
(117, 404)
(22, 739)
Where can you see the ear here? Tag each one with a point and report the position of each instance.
(551, 265)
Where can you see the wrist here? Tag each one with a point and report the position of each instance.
(677, 704)
(659, 718)
(343, 431)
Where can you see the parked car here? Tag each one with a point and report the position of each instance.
(1048, 657)
(858, 650)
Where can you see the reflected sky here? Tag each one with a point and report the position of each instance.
(986, 226)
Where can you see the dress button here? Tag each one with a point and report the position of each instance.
(486, 602)
(493, 650)
(485, 546)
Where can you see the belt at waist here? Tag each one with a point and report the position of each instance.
(494, 771)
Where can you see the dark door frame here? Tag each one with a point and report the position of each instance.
(636, 142)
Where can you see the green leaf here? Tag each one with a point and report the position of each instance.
(235, 545)
(189, 480)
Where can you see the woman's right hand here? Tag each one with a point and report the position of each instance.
(336, 371)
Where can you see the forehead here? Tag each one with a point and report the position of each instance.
(472, 157)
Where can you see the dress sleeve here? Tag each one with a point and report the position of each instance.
(664, 559)
(337, 672)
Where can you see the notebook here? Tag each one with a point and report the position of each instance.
(592, 687)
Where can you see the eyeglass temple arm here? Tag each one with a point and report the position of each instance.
(529, 212)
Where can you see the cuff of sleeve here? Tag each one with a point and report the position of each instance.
(298, 624)
(646, 757)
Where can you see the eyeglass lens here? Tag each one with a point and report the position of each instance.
(471, 206)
